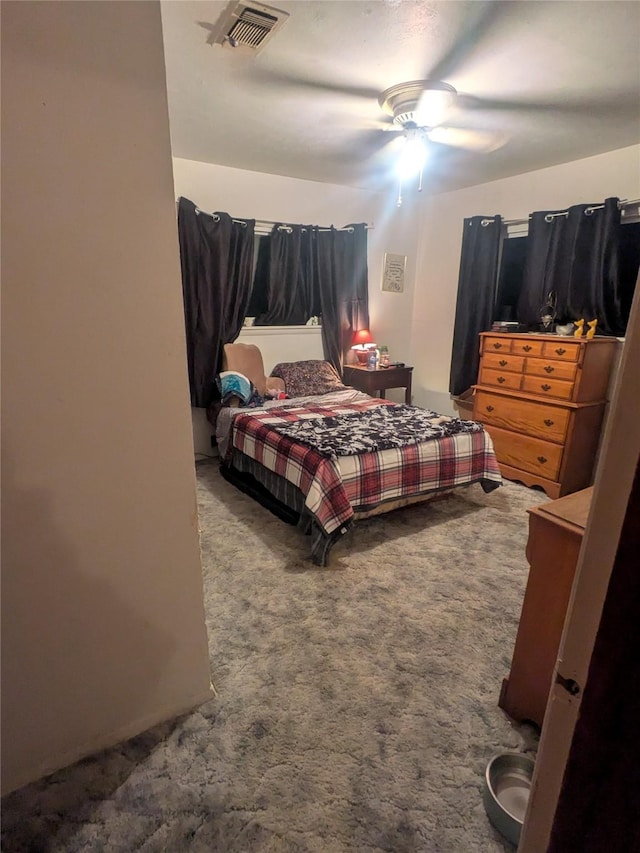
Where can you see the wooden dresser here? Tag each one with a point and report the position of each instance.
(542, 399)
(555, 536)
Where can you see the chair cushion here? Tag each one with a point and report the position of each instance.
(247, 360)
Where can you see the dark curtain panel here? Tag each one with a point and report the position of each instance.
(629, 265)
(216, 256)
(575, 257)
(476, 295)
(304, 271)
(342, 288)
(286, 273)
(514, 254)
(260, 289)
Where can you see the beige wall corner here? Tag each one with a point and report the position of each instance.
(103, 630)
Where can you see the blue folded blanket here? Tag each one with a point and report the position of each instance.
(232, 384)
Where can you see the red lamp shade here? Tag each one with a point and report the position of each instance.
(362, 338)
(362, 341)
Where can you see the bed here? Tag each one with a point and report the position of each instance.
(328, 455)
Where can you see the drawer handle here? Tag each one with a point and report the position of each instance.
(503, 362)
(548, 422)
(489, 408)
(546, 387)
(561, 351)
(542, 459)
(526, 348)
(501, 379)
(497, 346)
(549, 369)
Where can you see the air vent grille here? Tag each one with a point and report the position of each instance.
(252, 27)
(246, 27)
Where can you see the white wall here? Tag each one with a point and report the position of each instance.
(616, 173)
(103, 627)
(418, 324)
(270, 197)
(286, 343)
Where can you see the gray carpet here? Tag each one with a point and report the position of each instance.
(357, 705)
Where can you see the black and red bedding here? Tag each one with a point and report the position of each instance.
(335, 460)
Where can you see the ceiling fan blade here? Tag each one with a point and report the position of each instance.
(382, 122)
(619, 104)
(472, 140)
(480, 19)
(374, 139)
(273, 77)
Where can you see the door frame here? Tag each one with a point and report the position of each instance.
(617, 464)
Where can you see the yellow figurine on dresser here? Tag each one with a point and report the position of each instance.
(592, 324)
(579, 328)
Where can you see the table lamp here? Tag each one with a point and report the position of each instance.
(361, 344)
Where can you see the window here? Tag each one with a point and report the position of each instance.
(258, 299)
(514, 253)
(512, 266)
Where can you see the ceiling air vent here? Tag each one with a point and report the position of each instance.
(246, 27)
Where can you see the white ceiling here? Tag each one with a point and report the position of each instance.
(560, 79)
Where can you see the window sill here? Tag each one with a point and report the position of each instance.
(261, 331)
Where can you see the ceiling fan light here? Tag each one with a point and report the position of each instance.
(433, 107)
(423, 102)
(412, 157)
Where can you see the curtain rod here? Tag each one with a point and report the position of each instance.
(263, 223)
(622, 204)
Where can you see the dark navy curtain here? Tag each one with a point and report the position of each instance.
(574, 257)
(477, 284)
(216, 257)
(342, 288)
(306, 270)
(284, 282)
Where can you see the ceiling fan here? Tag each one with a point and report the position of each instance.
(415, 112)
(422, 106)
(418, 110)
(429, 114)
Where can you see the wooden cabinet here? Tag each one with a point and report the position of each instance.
(555, 536)
(542, 399)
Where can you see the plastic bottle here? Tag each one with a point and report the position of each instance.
(372, 361)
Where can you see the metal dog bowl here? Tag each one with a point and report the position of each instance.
(507, 783)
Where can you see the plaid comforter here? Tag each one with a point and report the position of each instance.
(336, 487)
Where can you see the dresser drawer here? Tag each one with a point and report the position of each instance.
(500, 378)
(544, 387)
(536, 419)
(503, 361)
(497, 344)
(561, 349)
(528, 454)
(552, 369)
(526, 346)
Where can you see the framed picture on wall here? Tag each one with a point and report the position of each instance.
(393, 272)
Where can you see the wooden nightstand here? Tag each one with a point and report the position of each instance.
(372, 381)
